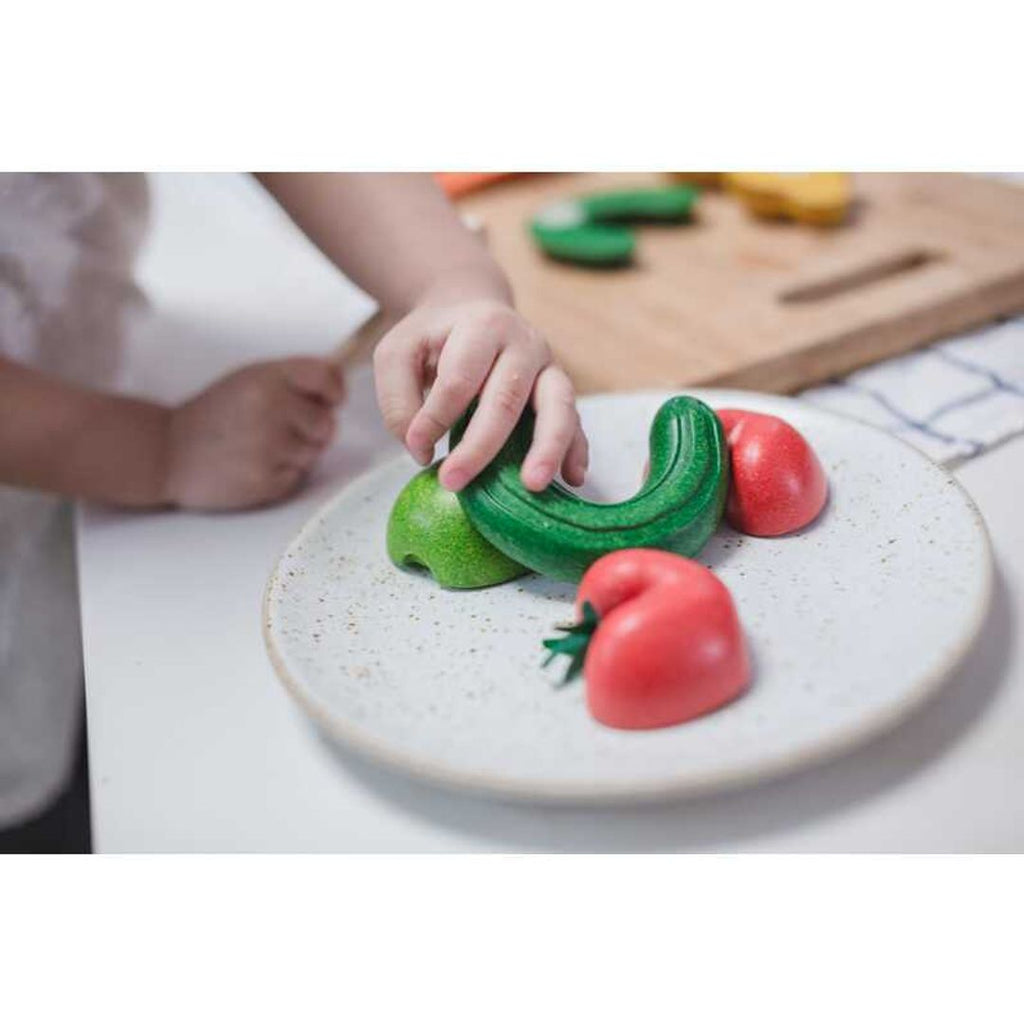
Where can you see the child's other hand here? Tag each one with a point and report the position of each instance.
(478, 348)
(252, 436)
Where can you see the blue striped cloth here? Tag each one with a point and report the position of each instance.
(952, 400)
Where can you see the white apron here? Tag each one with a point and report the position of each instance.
(66, 246)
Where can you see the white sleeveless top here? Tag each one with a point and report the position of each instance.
(66, 246)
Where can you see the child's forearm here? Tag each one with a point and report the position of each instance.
(66, 440)
(396, 235)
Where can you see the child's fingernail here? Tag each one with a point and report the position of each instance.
(536, 478)
(454, 480)
(420, 451)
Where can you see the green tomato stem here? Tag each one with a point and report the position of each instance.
(574, 644)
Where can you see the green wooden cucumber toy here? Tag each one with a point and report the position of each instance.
(591, 230)
(671, 205)
(427, 527)
(594, 245)
(557, 533)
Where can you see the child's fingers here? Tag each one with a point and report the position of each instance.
(502, 401)
(555, 430)
(297, 452)
(465, 361)
(574, 468)
(311, 420)
(317, 378)
(398, 368)
(286, 479)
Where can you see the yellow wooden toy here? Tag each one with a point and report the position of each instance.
(819, 198)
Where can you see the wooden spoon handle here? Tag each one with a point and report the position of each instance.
(358, 346)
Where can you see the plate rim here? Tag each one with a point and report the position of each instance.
(668, 788)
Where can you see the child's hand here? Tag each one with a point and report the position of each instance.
(478, 348)
(252, 436)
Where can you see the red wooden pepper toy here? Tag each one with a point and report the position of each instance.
(777, 484)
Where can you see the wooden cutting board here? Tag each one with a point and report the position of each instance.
(734, 301)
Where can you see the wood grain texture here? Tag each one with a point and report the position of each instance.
(735, 301)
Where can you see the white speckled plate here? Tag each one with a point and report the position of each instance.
(851, 624)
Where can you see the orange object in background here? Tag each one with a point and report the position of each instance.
(458, 183)
(703, 179)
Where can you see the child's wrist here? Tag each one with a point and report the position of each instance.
(166, 491)
(474, 283)
(146, 456)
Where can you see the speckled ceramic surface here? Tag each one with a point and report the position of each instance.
(851, 624)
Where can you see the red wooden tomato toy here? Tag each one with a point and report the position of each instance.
(777, 484)
(659, 641)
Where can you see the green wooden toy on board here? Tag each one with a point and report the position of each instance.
(592, 230)
(427, 527)
(560, 534)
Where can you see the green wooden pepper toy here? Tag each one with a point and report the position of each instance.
(592, 231)
(557, 533)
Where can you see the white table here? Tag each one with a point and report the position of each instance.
(194, 745)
